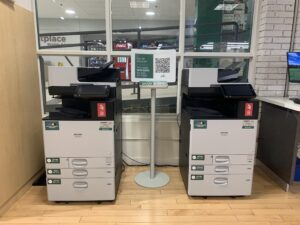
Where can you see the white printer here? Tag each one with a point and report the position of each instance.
(82, 137)
(217, 133)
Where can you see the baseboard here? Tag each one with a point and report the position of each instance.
(19, 193)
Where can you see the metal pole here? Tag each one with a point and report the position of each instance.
(152, 156)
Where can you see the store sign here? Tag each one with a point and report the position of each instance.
(52, 40)
(153, 65)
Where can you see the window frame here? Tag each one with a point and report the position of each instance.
(181, 54)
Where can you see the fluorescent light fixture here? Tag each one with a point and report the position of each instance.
(151, 0)
(70, 11)
(150, 13)
(62, 18)
(139, 5)
(226, 7)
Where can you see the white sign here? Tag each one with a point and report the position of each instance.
(153, 65)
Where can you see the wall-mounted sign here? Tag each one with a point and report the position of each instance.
(153, 65)
(52, 40)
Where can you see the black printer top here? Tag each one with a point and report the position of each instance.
(98, 74)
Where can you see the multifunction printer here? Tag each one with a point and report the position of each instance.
(82, 137)
(217, 133)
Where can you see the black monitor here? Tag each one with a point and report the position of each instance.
(293, 59)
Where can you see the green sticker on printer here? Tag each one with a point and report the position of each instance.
(197, 167)
(53, 181)
(200, 124)
(53, 171)
(198, 157)
(197, 177)
(53, 160)
(51, 125)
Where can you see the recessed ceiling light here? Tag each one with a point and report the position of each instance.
(62, 18)
(151, 0)
(70, 11)
(150, 13)
(139, 5)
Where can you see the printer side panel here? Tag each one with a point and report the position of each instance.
(118, 136)
(184, 147)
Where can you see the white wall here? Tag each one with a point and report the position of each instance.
(27, 4)
(275, 26)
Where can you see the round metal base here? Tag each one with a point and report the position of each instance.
(143, 179)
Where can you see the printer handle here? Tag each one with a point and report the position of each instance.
(79, 162)
(221, 181)
(222, 159)
(221, 169)
(80, 185)
(80, 173)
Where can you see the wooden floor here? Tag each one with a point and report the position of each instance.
(269, 205)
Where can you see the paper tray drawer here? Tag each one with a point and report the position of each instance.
(80, 173)
(94, 189)
(220, 169)
(79, 163)
(220, 185)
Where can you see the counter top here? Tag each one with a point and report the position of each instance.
(281, 101)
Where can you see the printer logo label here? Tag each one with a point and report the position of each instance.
(101, 110)
(52, 125)
(248, 124)
(200, 124)
(106, 126)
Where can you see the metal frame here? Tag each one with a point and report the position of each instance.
(181, 53)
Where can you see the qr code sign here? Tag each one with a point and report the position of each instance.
(162, 65)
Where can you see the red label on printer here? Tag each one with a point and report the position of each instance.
(248, 109)
(101, 109)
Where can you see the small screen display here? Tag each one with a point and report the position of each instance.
(293, 59)
(294, 74)
(238, 91)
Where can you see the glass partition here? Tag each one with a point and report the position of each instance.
(218, 26)
(71, 24)
(145, 24)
